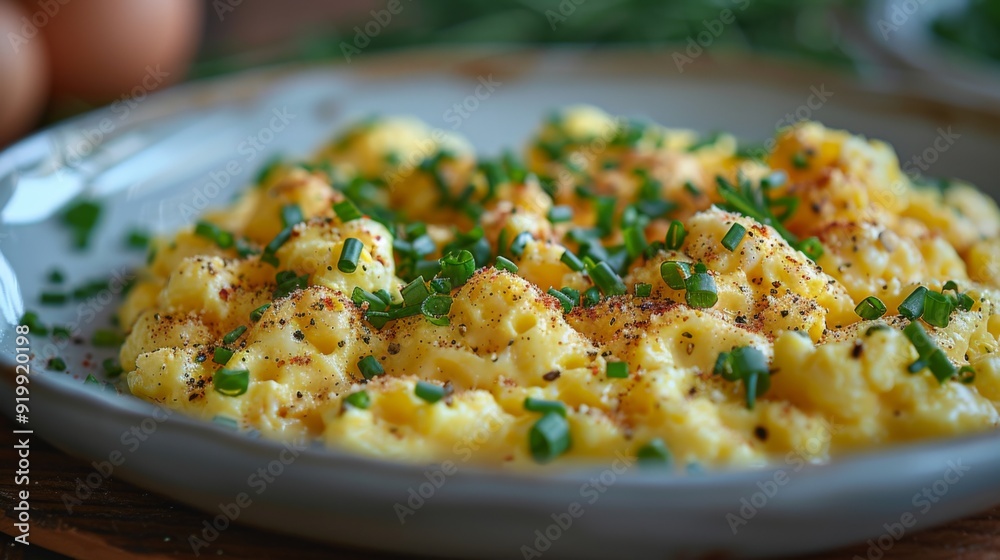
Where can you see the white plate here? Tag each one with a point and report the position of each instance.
(332, 496)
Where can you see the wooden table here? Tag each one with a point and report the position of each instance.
(121, 521)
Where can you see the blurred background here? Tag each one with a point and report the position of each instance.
(63, 57)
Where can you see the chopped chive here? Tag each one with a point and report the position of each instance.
(635, 241)
(137, 239)
(572, 293)
(549, 437)
(57, 364)
(111, 367)
(91, 380)
(964, 302)
(675, 235)
(106, 338)
(231, 382)
(291, 214)
(30, 319)
(423, 245)
(346, 211)
(572, 261)
(349, 255)
(223, 239)
(733, 237)
(233, 335)
(429, 391)
(370, 367)
(749, 365)
(607, 280)
(913, 306)
(870, 308)
(53, 298)
(60, 331)
(269, 167)
(675, 273)
(591, 297)
(56, 276)
(967, 375)
(940, 366)
(937, 309)
(504, 263)
(359, 400)
(458, 266)
(384, 296)
(605, 208)
(541, 405)
(360, 296)
(288, 283)
(436, 309)
(655, 452)
(558, 214)
(958, 299)
(271, 249)
(876, 328)
(256, 314)
(617, 370)
(81, 218)
(378, 319)
(654, 208)
(520, 241)
(415, 292)
(812, 248)
(643, 290)
(567, 303)
(700, 290)
(691, 188)
(244, 249)
(919, 338)
(799, 160)
(441, 285)
(222, 355)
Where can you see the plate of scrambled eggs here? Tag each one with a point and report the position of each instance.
(345, 309)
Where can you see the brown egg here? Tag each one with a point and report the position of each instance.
(103, 49)
(23, 73)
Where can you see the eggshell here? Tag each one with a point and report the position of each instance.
(23, 72)
(104, 49)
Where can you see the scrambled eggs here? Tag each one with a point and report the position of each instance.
(623, 289)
